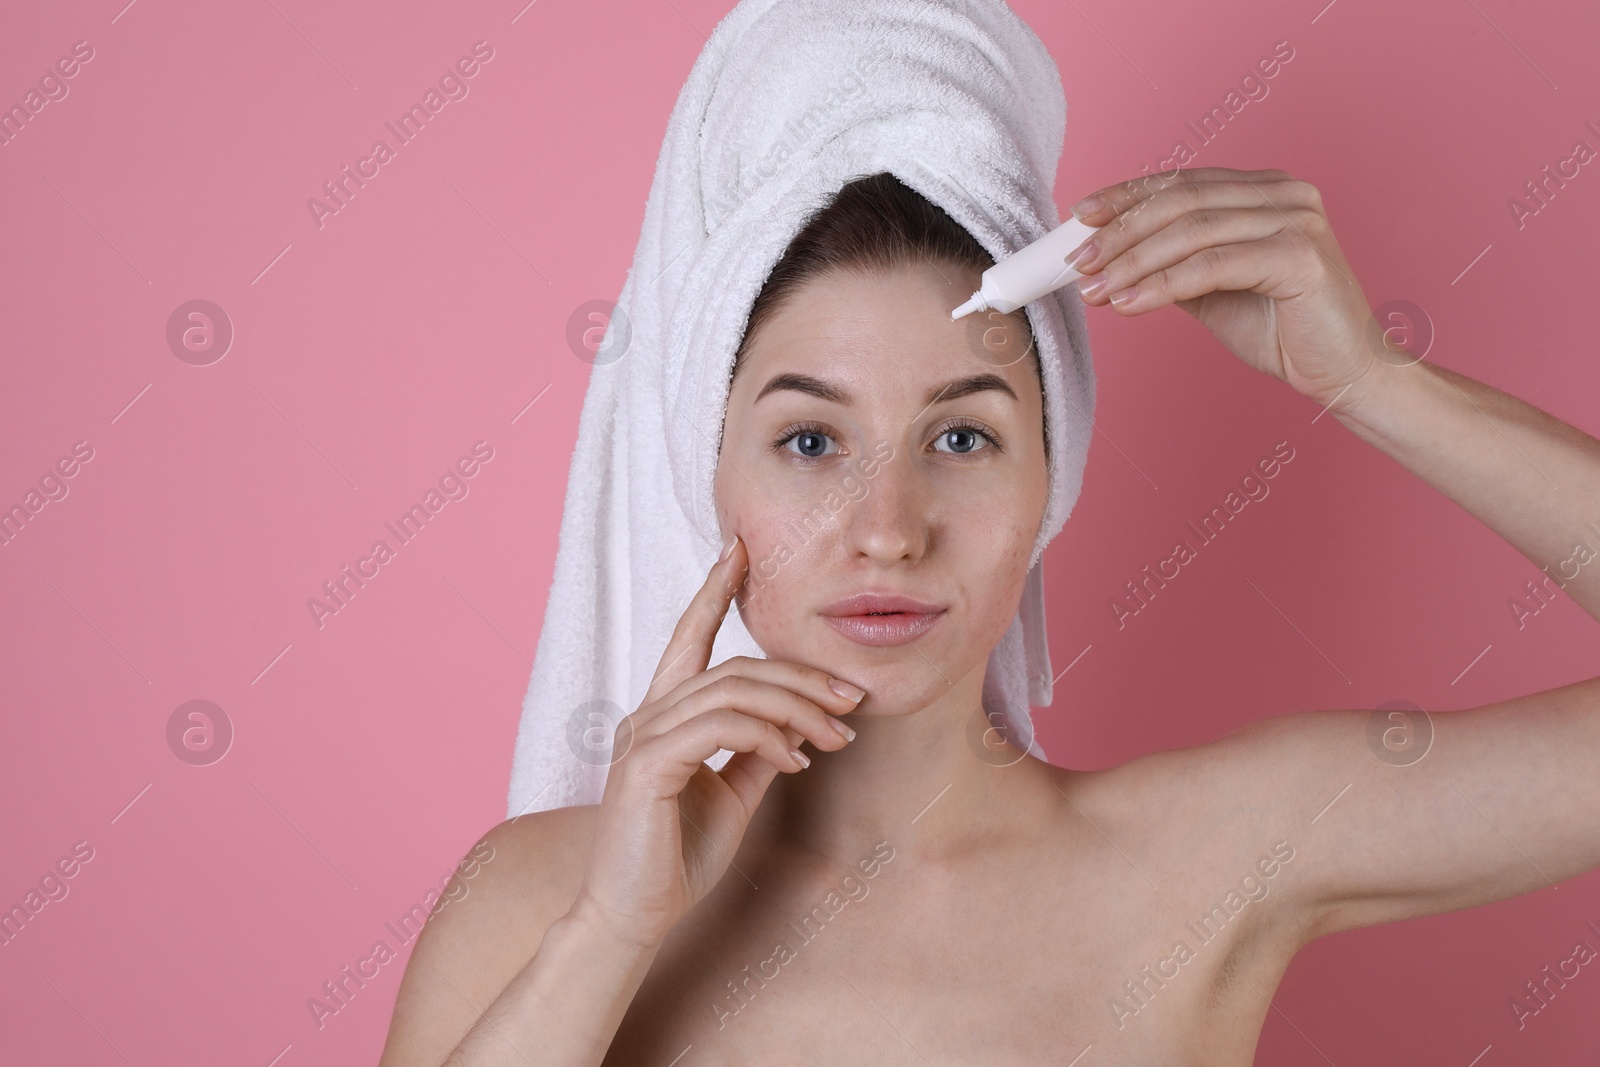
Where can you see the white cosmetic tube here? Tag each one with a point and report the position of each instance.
(1030, 272)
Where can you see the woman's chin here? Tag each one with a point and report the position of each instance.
(898, 681)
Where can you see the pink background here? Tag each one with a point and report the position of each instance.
(371, 353)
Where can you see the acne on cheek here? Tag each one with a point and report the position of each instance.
(763, 612)
(1007, 574)
(771, 630)
(772, 566)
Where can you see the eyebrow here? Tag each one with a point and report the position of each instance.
(952, 390)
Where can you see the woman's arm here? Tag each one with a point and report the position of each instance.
(564, 1007)
(1530, 477)
(1505, 798)
(514, 967)
(561, 935)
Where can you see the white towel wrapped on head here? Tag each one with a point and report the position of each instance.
(789, 100)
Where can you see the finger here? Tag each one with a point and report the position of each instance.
(748, 775)
(1256, 266)
(816, 686)
(1140, 216)
(663, 765)
(762, 700)
(1182, 238)
(1105, 203)
(689, 648)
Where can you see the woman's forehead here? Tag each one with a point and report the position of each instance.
(874, 332)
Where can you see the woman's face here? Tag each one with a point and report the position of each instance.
(919, 472)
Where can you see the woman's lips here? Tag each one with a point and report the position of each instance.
(898, 628)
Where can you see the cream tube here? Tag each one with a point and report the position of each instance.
(1030, 272)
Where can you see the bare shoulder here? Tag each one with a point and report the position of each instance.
(516, 881)
(1177, 786)
(1211, 815)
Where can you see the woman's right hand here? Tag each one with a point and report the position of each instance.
(669, 825)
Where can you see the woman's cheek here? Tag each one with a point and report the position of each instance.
(768, 583)
(1005, 573)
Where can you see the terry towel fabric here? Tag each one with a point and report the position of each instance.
(788, 101)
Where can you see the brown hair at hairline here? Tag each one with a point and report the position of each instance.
(873, 223)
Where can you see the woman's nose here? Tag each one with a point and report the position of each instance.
(890, 522)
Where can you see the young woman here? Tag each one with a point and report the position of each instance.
(901, 894)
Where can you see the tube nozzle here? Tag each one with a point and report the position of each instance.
(977, 303)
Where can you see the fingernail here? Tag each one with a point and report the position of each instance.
(1083, 254)
(1088, 206)
(846, 690)
(1123, 297)
(727, 549)
(844, 731)
(1092, 286)
(799, 757)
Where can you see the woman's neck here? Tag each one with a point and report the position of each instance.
(937, 780)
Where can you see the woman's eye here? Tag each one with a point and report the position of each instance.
(962, 439)
(811, 445)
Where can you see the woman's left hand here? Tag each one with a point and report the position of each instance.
(1252, 256)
